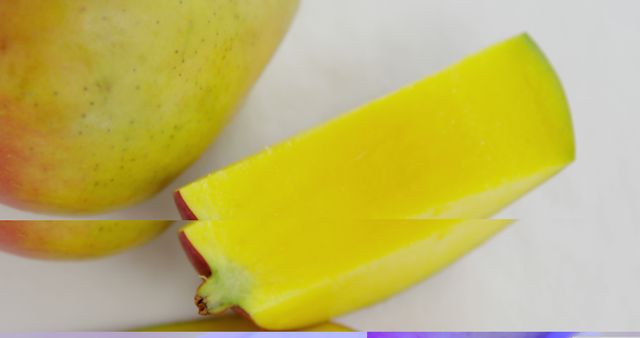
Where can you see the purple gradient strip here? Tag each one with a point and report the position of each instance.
(471, 334)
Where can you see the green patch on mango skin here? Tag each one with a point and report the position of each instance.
(226, 283)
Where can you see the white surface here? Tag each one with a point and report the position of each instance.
(572, 264)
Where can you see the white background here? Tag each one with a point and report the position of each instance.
(571, 263)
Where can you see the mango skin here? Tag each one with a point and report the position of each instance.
(67, 240)
(232, 324)
(103, 103)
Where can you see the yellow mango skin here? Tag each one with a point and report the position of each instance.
(231, 324)
(102, 103)
(287, 274)
(463, 143)
(76, 239)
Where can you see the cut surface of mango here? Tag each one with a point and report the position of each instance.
(288, 274)
(463, 143)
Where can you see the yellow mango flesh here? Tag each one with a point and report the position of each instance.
(288, 274)
(463, 143)
(76, 239)
(102, 103)
(231, 324)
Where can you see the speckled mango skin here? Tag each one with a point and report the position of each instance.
(102, 103)
(79, 239)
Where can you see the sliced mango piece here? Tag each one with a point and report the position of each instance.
(463, 143)
(286, 274)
